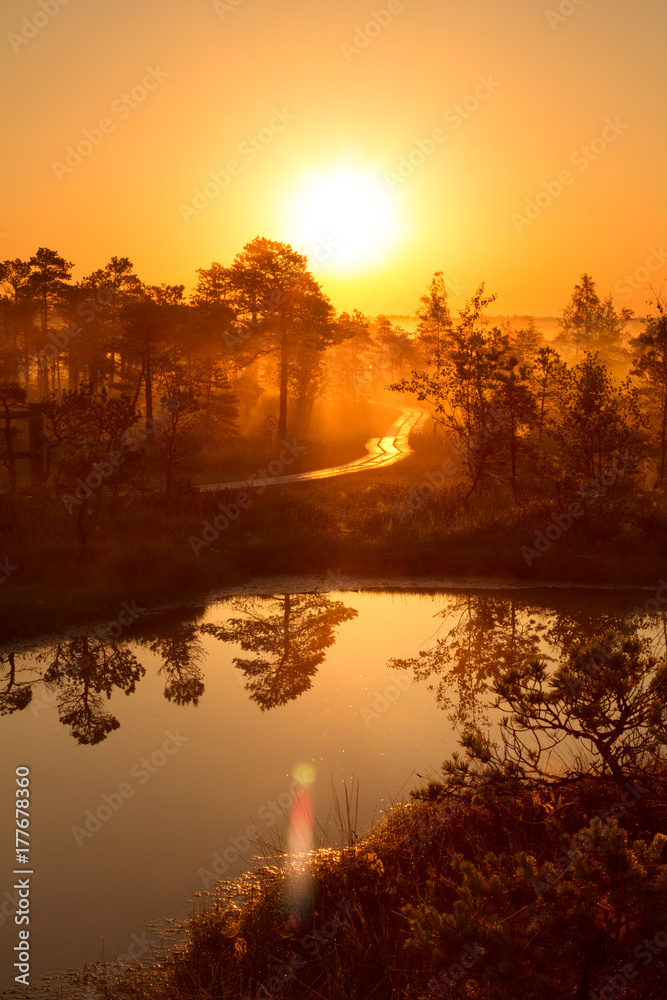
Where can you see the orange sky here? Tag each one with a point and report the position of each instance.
(287, 90)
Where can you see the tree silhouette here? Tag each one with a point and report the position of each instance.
(280, 304)
(150, 326)
(650, 368)
(289, 642)
(608, 695)
(213, 286)
(349, 360)
(571, 624)
(82, 671)
(86, 431)
(48, 277)
(515, 400)
(548, 374)
(581, 316)
(434, 317)
(596, 420)
(175, 439)
(94, 307)
(463, 387)
(17, 315)
(395, 347)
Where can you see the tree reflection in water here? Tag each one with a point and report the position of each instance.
(182, 652)
(486, 633)
(82, 671)
(15, 695)
(287, 637)
(289, 642)
(490, 631)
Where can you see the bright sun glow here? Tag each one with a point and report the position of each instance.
(344, 219)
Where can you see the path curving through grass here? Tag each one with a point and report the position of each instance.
(380, 453)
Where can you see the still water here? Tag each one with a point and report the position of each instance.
(158, 750)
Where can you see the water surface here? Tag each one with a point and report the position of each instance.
(152, 751)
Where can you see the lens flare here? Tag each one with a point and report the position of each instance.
(300, 838)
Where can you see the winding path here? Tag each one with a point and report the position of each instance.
(380, 452)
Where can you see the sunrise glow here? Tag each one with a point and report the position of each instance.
(345, 219)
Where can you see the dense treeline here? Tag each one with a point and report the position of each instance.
(124, 367)
(520, 412)
(141, 376)
(259, 340)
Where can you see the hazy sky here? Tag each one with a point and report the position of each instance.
(339, 124)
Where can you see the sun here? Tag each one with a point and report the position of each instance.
(345, 219)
